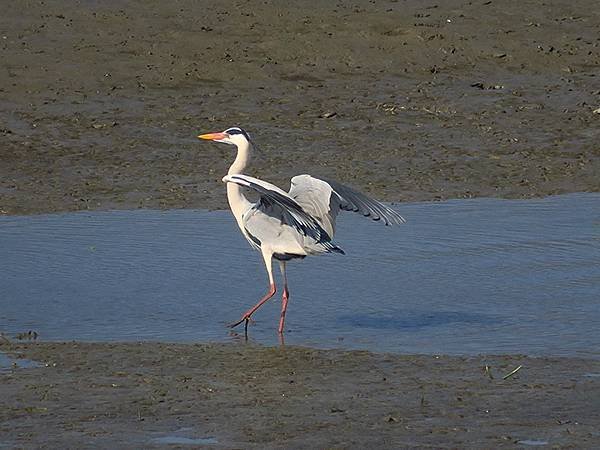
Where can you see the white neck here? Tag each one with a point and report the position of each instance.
(237, 200)
(241, 160)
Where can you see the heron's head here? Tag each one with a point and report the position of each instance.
(234, 136)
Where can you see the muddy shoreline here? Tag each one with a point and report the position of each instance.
(100, 103)
(244, 396)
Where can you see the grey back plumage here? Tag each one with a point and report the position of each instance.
(315, 197)
(267, 219)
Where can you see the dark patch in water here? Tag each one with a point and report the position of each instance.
(406, 321)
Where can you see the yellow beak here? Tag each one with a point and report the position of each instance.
(213, 136)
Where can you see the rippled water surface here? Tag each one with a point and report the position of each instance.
(461, 277)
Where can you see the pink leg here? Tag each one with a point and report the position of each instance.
(247, 314)
(284, 302)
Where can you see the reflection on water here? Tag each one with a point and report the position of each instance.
(464, 276)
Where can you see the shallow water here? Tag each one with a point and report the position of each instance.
(8, 363)
(533, 442)
(461, 277)
(182, 440)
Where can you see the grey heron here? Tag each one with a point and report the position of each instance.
(289, 225)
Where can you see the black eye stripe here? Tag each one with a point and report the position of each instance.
(235, 130)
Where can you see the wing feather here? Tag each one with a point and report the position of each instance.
(324, 198)
(352, 200)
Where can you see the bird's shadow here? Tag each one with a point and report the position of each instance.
(414, 320)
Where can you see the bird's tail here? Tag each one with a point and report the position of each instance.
(333, 248)
(336, 249)
(318, 248)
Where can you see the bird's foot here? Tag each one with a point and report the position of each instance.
(243, 319)
(246, 319)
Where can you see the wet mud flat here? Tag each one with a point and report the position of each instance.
(244, 396)
(100, 102)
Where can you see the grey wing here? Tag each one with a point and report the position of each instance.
(274, 201)
(323, 199)
(352, 200)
